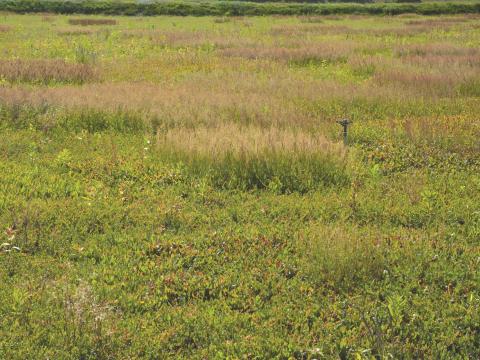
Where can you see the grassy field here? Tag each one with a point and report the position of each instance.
(178, 187)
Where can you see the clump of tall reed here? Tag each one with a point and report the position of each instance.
(236, 157)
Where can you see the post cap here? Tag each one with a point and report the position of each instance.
(344, 122)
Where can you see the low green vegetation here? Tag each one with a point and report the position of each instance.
(178, 187)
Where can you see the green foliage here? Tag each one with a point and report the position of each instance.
(232, 8)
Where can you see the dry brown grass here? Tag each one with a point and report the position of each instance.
(457, 133)
(86, 22)
(428, 82)
(420, 26)
(439, 22)
(310, 29)
(408, 16)
(198, 101)
(402, 31)
(435, 49)
(234, 139)
(5, 28)
(240, 98)
(305, 53)
(448, 57)
(45, 71)
(311, 19)
(191, 39)
(332, 17)
(188, 38)
(448, 63)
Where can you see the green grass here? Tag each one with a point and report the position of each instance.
(187, 203)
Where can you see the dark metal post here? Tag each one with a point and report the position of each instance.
(344, 123)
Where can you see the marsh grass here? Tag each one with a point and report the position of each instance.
(278, 172)
(319, 29)
(311, 19)
(49, 18)
(363, 66)
(45, 117)
(46, 71)
(303, 54)
(282, 161)
(279, 102)
(179, 39)
(298, 30)
(75, 31)
(88, 21)
(254, 158)
(440, 22)
(470, 87)
(341, 256)
(218, 140)
(222, 20)
(435, 49)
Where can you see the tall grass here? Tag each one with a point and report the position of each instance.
(187, 38)
(341, 256)
(46, 71)
(227, 156)
(254, 158)
(311, 53)
(45, 117)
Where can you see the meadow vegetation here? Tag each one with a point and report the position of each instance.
(178, 187)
